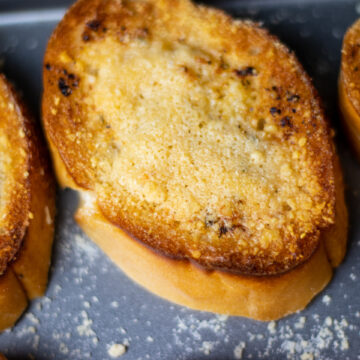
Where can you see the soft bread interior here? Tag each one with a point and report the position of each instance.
(262, 298)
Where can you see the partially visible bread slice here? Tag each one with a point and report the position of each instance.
(27, 207)
(349, 84)
(203, 138)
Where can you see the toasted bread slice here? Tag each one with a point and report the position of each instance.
(197, 135)
(349, 85)
(27, 205)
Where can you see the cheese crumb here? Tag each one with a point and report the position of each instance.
(116, 350)
(239, 349)
(300, 323)
(150, 339)
(272, 327)
(63, 348)
(326, 300)
(114, 304)
(328, 321)
(33, 318)
(307, 356)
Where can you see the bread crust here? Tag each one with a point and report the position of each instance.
(348, 86)
(24, 274)
(64, 116)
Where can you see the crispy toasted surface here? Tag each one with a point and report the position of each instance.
(27, 202)
(201, 136)
(349, 85)
(14, 173)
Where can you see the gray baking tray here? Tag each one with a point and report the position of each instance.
(90, 305)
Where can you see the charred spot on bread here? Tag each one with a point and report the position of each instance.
(286, 121)
(64, 88)
(94, 24)
(247, 71)
(275, 111)
(293, 97)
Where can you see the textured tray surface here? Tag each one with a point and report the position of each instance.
(90, 305)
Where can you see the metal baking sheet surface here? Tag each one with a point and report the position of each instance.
(93, 311)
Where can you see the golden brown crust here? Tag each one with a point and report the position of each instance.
(15, 167)
(26, 274)
(283, 90)
(349, 84)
